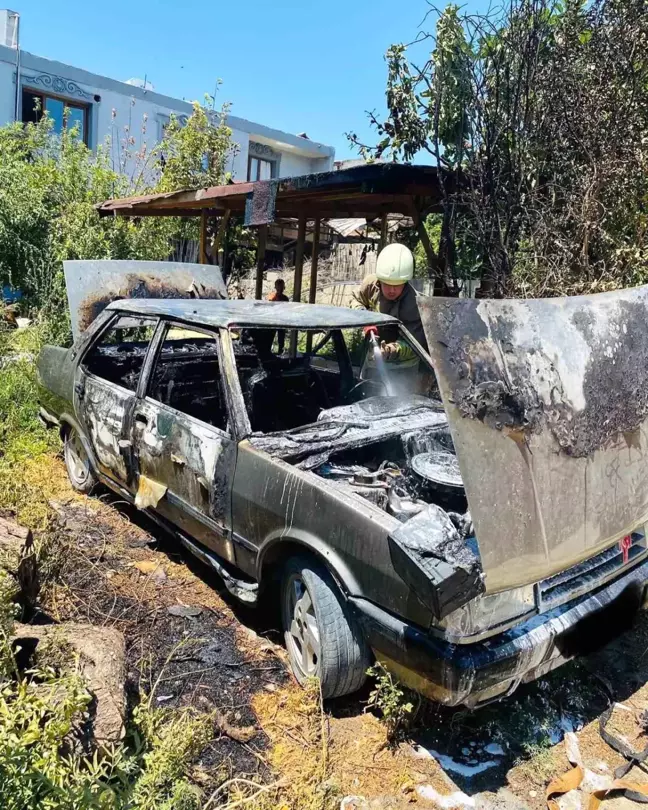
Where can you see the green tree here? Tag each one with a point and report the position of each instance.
(50, 185)
(537, 117)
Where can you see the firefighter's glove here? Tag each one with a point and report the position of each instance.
(390, 351)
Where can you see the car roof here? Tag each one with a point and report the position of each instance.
(219, 313)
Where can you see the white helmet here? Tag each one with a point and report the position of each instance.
(395, 264)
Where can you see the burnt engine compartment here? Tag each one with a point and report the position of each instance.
(403, 475)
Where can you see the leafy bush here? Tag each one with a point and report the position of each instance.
(49, 187)
(392, 700)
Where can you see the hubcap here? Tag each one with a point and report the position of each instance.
(76, 458)
(303, 637)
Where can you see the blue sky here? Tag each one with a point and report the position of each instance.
(296, 65)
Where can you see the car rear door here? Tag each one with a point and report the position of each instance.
(105, 391)
(184, 450)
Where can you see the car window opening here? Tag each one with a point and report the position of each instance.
(119, 354)
(187, 377)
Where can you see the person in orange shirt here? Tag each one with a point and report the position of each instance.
(279, 295)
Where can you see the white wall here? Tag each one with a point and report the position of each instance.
(7, 92)
(121, 110)
(293, 164)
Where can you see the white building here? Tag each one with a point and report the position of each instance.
(102, 107)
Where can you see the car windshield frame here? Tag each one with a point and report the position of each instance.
(239, 410)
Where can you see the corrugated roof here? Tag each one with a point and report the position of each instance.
(348, 227)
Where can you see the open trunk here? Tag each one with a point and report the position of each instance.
(93, 283)
(547, 402)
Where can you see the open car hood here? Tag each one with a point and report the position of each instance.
(547, 402)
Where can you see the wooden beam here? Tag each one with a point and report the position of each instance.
(262, 237)
(299, 269)
(202, 254)
(312, 290)
(299, 257)
(383, 231)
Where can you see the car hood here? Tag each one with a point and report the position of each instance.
(547, 402)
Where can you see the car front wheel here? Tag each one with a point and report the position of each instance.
(322, 637)
(77, 462)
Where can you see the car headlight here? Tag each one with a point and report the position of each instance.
(489, 612)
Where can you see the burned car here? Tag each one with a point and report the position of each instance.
(260, 435)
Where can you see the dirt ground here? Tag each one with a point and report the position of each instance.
(190, 644)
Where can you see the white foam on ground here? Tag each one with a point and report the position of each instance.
(457, 799)
(450, 764)
(494, 749)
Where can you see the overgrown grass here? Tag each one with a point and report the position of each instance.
(42, 763)
(29, 475)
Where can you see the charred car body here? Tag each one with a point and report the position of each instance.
(301, 469)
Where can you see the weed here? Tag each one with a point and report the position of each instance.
(392, 700)
(538, 762)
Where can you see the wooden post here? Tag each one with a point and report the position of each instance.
(262, 238)
(383, 231)
(202, 252)
(312, 290)
(220, 234)
(299, 258)
(299, 269)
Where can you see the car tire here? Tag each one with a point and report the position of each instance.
(322, 637)
(77, 462)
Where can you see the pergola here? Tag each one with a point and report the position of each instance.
(369, 191)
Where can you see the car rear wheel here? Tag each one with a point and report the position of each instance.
(77, 462)
(322, 637)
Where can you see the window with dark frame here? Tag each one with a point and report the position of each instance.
(118, 356)
(259, 169)
(64, 113)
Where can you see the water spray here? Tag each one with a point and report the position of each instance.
(380, 364)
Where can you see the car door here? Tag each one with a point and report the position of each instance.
(105, 391)
(183, 446)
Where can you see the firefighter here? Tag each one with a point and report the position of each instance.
(389, 292)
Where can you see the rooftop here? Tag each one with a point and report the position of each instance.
(224, 314)
(367, 191)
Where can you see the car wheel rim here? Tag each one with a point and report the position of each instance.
(76, 458)
(303, 636)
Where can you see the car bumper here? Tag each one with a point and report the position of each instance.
(474, 674)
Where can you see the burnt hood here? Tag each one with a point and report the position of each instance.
(547, 402)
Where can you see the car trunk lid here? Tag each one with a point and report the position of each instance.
(92, 284)
(547, 402)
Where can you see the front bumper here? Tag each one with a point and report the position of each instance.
(474, 674)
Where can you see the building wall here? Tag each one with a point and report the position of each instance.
(120, 112)
(7, 90)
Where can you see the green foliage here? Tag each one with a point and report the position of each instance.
(392, 700)
(50, 185)
(194, 154)
(542, 122)
(42, 764)
(172, 740)
(433, 228)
